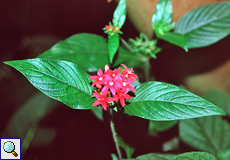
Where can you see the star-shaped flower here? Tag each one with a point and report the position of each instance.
(102, 99)
(99, 79)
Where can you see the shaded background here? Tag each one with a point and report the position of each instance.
(28, 28)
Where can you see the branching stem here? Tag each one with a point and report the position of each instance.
(114, 133)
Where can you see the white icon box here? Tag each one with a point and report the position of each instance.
(10, 148)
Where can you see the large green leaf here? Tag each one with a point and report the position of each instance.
(218, 98)
(155, 156)
(224, 155)
(113, 46)
(163, 16)
(211, 134)
(194, 156)
(60, 80)
(174, 38)
(90, 52)
(205, 25)
(162, 102)
(119, 14)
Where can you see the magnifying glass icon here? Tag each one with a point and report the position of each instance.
(9, 147)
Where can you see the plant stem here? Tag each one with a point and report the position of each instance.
(113, 130)
(130, 48)
(147, 69)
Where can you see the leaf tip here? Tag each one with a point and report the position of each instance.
(186, 48)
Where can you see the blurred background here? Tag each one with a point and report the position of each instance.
(51, 130)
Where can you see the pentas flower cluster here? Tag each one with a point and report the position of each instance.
(111, 29)
(112, 85)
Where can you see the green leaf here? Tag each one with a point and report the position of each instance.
(114, 157)
(43, 136)
(211, 134)
(113, 46)
(98, 112)
(194, 156)
(129, 150)
(224, 155)
(160, 126)
(119, 14)
(218, 98)
(162, 16)
(155, 156)
(90, 52)
(163, 102)
(24, 123)
(60, 80)
(205, 25)
(173, 144)
(174, 38)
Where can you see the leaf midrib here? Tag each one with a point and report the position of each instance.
(25, 68)
(167, 102)
(200, 26)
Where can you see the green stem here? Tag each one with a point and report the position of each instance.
(130, 48)
(114, 133)
(147, 69)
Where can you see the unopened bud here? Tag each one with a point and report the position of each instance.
(99, 86)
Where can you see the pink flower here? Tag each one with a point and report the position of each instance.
(102, 99)
(128, 73)
(99, 79)
(111, 84)
(121, 94)
(111, 72)
(127, 84)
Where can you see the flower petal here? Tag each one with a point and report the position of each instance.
(96, 103)
(98, 96)
(113, 90)
(122, 101)
(127, 96)
(100, 72)
(131, 88)
(104, 106)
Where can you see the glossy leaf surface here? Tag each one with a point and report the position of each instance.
(163, 15)
(174, 38)
(163, 102)
(194, 156)
(113, 46)
(205, 25)
(60, 80)
(90, 52)
(119, 14)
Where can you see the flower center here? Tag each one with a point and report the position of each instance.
(110, 83)
(100, 78)
(130, 71)
(124, 83)
(113, 75)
